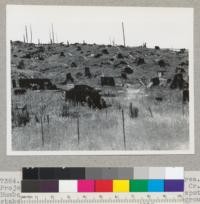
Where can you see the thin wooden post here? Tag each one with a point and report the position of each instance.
(123, 125)
(124, 39)
(53, 38)
(78, 130)
(183, 108)
(31, 33)
(50, 36)
(48, 119)
(26, 34)
(150, 111)
(42, 131)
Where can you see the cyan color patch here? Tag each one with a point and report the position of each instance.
(156, 185)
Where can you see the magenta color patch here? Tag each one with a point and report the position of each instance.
(85, 186)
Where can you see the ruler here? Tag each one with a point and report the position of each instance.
(104, 198)
(10, 193)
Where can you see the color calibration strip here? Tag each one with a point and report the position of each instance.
(118, 180)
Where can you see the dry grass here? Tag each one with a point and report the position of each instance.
(166, 129)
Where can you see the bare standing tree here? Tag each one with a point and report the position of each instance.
(31, 34)
(26, 32)
(124, 39)
(50, 37)
(53, 36)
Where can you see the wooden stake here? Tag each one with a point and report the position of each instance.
(78, 130)
(124, 39)
(123, 125)
(42, 130)
(150, 111)
(48, 119)
(183, 109)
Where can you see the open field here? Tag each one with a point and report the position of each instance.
(161, 121)
(159, 126)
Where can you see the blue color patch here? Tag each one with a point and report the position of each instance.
(156, 185)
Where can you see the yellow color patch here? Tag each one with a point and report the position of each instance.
(120, 186)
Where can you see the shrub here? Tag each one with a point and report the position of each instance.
(79, 74)
(20, 117)
(73, 64)
(105, 51)
(140, 61)
(133, 111)
(97, 55)
(62, 54)
(65, 110)
(21, 65)
(120, 56)
(128, 70)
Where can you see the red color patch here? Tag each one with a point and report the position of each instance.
(103, 186)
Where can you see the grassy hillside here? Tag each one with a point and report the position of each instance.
(59, 125)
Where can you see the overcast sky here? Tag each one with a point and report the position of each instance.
(166, 27)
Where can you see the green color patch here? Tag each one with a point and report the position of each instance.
(138, 185)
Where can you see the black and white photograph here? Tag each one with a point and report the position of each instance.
(99, 80)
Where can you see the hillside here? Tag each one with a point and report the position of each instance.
(134, 116)
(54, 61)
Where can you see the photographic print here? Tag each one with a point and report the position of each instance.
(99, 80)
